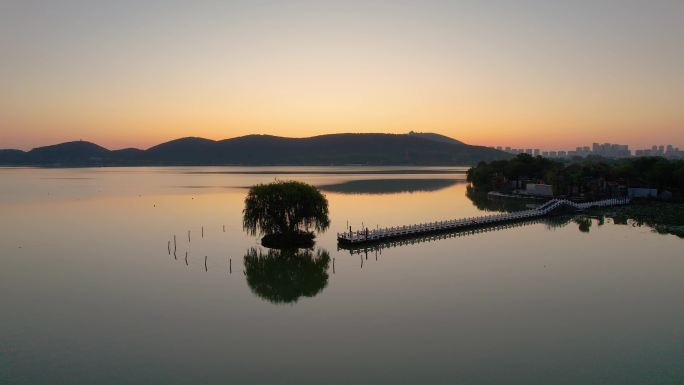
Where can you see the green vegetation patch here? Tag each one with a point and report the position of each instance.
(663, 217)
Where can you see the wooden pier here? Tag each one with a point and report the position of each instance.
(367, 236)
(368, 247)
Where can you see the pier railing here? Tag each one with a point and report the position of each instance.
(381, 234)
(365, 248)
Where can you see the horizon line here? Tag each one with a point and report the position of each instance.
(494, 146)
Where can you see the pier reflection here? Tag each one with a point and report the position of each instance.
(284, 276)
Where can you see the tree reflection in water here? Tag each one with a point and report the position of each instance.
(482, 201)
(584, 223)
(285, 275)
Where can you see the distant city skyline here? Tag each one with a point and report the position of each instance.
(608, 150)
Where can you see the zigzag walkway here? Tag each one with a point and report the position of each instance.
(390, 233)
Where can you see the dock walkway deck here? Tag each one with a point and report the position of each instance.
(388, 233)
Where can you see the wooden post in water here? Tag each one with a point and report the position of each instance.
(202, 231)
(174, 243)
(333, 265)
(224, 228)
(186, 258)
(168, 246)
(188, 236)
(230, 266)
(205, 263)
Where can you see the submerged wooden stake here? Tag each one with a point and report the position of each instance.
(205, 263)
(202, 231)
(188, 235)
(168, 246)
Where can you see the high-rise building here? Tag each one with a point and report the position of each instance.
(668, 151)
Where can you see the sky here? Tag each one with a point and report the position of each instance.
(534, 74)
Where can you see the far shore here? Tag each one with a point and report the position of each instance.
(281, 169)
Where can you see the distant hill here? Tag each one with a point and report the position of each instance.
(70, 152)
(435, 137)
(334, 149)
(9, 157)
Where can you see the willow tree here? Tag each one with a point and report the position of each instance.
(285, 213)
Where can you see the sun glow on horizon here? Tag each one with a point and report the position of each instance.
(495, 73)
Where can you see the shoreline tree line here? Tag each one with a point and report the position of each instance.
(591, 176)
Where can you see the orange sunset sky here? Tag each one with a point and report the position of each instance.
(544, 74)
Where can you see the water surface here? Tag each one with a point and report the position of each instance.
(92, 294)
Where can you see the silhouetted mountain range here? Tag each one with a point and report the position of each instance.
(334, 149)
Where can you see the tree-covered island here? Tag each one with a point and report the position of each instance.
(285, 213)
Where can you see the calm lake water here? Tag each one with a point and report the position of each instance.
(92, 295)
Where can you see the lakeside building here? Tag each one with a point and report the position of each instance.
(642, 192)
(538, 189)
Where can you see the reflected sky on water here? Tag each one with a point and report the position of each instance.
(94, 293)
